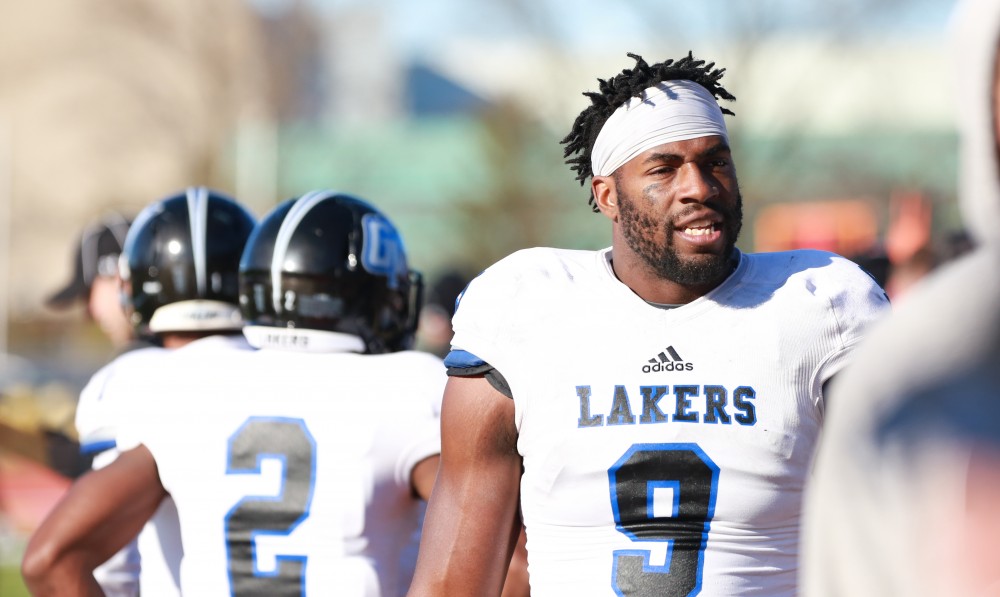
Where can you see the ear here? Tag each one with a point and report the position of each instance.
(606, 196)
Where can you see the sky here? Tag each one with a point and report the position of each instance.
(417, 27)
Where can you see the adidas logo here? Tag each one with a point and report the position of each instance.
(667, 360)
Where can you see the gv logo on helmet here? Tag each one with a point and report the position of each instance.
(383, 253)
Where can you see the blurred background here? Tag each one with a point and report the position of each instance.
(446, 114)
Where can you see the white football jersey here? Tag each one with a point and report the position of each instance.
(665, 450)
(150, 564)
(290, 470)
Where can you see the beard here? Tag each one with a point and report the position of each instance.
(641, 232)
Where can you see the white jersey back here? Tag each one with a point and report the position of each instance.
(290, 471)
(665, 450)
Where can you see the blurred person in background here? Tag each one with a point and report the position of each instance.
(889, 511)
(908, 242)
(179, 278)
(648, 409)
(95, 280)
(946, 439)
(910, 252)
(435, 331)
(95, 284)
(298, 468)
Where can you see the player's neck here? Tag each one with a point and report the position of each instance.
(172, 340)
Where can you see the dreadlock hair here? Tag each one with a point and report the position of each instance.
(628, 84)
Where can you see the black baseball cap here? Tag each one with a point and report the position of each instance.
(97, 254)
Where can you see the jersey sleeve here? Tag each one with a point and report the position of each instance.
(133, 413)
(856, 302)
(484, 337)
(460, 363)
(425, 440)
(93, 421)
(133, 426)
(100, 405)
(426, 443)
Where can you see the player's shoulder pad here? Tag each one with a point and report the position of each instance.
(123, 362)
(813, 267)
(534, 269)
(140, 355)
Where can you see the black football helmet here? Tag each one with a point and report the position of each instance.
(180, 263)
(332, 262)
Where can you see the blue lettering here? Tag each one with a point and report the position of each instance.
(651, 412)
(621, 412)
(715, 405)
(683, 395)
(586, 420)
(716, 409)
(749, 413)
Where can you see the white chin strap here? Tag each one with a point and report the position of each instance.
(667, 112)
(196, 316)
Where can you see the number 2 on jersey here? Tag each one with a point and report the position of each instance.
(679, 482)
(289, 441)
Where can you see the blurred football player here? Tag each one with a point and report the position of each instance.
(649, 409)
(179, 271)
(95, 279)
(904, 499)
(297, 468)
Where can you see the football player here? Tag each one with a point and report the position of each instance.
(300, 467)
(179, 273)
(650, 409)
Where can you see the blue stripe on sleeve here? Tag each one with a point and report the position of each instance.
(96, 447)
(461, 359)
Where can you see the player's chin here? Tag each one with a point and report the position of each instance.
(707, 254)
(704, 268)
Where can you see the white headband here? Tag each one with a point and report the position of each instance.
(667, 112)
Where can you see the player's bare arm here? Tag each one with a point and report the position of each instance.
(101, 512)
(472, 522)
(516, 584)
